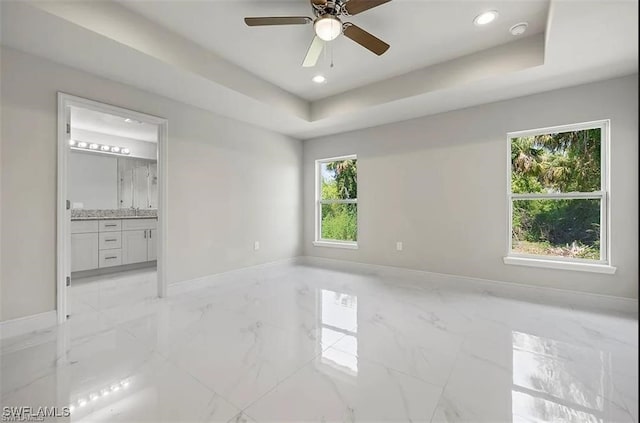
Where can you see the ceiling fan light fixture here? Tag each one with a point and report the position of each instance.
(328, 27)
(319, 79)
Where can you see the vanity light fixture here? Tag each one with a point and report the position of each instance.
(102, 148)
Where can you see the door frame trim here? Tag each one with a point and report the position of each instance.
(63, 222)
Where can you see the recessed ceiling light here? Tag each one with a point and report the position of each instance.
(519, 28)
(486, 17)
(319, 79)
(128, 120)
(93, 146)
(82, 144)
(72, 142)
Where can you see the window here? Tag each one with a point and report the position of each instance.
(337, 202)
(558, 194)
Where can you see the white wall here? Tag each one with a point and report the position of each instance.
(93, 180)
(230, 184)
(438, 184)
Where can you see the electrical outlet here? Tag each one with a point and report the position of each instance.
(399, 246)
(256, 245)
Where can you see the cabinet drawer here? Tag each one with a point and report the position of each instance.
(110, 258)
(111, 225)
(137, 224)
(110, 240)
(84, 226)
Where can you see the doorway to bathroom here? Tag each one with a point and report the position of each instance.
(111, 222)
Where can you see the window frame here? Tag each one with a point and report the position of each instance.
(603, 265)
(318, 240)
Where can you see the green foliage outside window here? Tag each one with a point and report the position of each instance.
(339, 182)
(557, 163)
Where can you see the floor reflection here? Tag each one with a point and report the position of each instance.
(549, 384)
(96, 399)
(338, 319)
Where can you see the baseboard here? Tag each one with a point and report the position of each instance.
(24, 325)
(113, 270)
(208, 280)
(546, 295)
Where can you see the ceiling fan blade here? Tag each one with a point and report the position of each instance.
(354, 7)
(313, 54)
(278, 20)
(366, 40)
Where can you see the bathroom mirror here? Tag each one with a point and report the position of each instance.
(102, 182)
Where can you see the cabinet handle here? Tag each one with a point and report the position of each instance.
(110, 240)
(145, 234)
(111, 258)
(149, 233)
(110, 226)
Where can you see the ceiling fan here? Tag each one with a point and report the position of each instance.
(328, 25)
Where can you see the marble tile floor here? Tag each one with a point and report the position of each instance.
(293, 343)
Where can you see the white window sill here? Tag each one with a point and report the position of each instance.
(336, 244)
(562, 265)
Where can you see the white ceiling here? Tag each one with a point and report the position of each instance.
(105, 123)
(421, 33)
(218, 64)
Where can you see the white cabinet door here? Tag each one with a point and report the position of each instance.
(84, 251)
(134, 246)
(152, 244)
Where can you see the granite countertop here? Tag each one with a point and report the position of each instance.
(73, 219)
(112, 214)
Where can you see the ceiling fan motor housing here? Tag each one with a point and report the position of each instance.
(334, 8)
